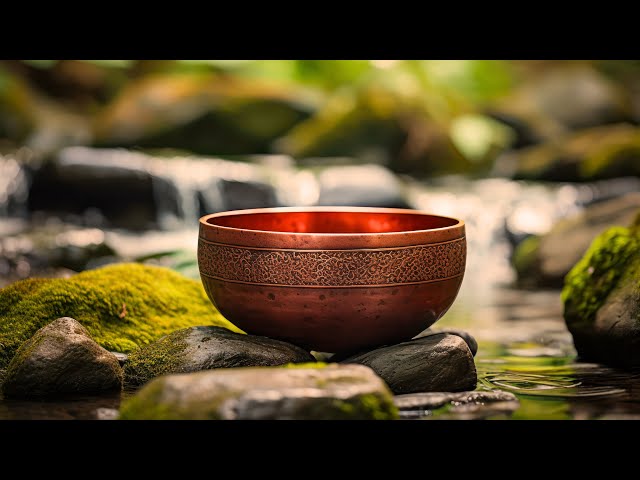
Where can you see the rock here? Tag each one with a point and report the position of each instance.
(61, 358)
(204, 348)
(377, 124)
(201, 113)
(466, 336)
(57, 246)
(544, 261)
(153, 191)
(591, 154)
(433, 400)
(122, 357)
(360, 185)
(561, 98)
(123, 306)
(80, 178)
(480, 403)
(600, 296)
(578, 97)
(435, 363)
(14, 185)
(106, 414)
(17, 119)
(265, 393)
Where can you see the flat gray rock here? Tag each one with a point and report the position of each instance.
(205, 348)
(458, 406)
(267, 393)
(433, 400)
(436, 363)
(61, 358)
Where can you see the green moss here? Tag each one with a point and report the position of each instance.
(305, 365)
(123, 306)
(524, 256)
(617, 156)
(376, 407)
(365, 407)
(24, 352)
(147, 405)
(612, 254)
(162, 358)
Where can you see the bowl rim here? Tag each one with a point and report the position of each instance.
(204, 221)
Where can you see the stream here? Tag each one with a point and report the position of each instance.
(524, 346)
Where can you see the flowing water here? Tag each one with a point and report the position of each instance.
(524, 346)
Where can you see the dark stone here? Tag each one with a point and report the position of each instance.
(118, 183)
(601, 299)
(614, 337)
(360, 185)
(133, 190)
(61, 358)
(433, 400)
(205, 348)
(56, 246)
(435, 363)
(335, 392)
(545, 261)
(458, 406)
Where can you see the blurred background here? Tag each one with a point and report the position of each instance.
(104, 161)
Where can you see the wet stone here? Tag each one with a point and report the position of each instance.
(435, 363)
(334, 392)
(204, 348)
(61, 358)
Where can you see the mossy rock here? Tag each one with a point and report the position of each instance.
(591, 154)
(331, 392)
(544, 261)
(205, 348)
(378, 124)
(17, 118)
(200, 112)
(559, 98)
(601, 299)
(61, 358)
(123, 306)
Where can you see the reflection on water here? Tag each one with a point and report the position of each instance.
(533, 357)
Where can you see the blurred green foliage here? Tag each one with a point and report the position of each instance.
(423, 117)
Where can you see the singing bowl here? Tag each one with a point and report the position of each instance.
(332, 279)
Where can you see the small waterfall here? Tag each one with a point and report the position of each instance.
(14, 185)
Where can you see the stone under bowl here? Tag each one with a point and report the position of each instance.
(332, 279)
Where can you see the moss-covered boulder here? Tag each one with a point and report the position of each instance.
(335, 392)
(123, 306)
(544, 261)
(601, 299)
(205, 348)
(591, 154)
(200, 112)
(377, 124)
(559, 97)
(61, 358)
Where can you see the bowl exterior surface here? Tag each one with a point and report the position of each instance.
(332, 293)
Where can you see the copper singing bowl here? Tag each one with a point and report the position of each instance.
(332, 279)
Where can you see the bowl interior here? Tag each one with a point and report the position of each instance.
(333, 222)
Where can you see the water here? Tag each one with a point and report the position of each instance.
(524, 346)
